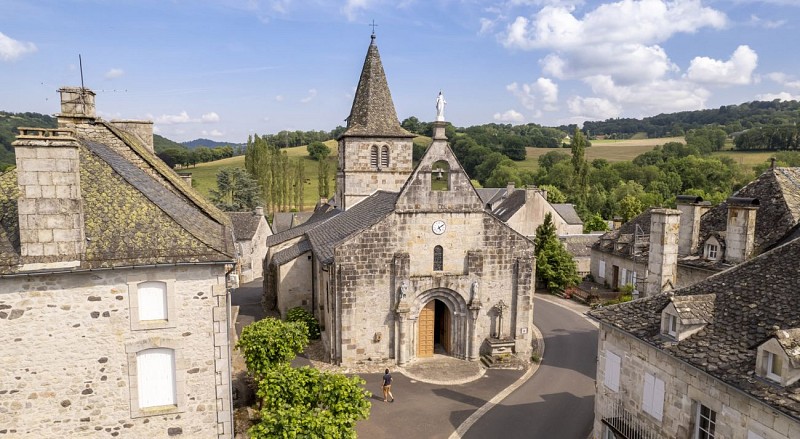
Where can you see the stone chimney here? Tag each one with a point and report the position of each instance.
(509, 188)
(49, 205)
(662, 262)
(740, 232)
(259, 211)
(77, 106)
(141, 129)
(186, 177)
(692, 208)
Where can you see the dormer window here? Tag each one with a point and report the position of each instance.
(672, 325)
(711, 251)
(774, 366)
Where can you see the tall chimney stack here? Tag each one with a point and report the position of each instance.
(662, 263)
(49, 205)
(77, 106)
(692, 208)
(740, 232)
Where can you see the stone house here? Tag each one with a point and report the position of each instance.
(524, 210)
(404, 262)
(113, 299)
(698, 240)
(718, 359)
(250, 230)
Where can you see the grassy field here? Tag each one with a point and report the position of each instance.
(748, 158)
(611, 150)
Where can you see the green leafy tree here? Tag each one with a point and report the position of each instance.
(318, 151)
(628, 207)
(236, 190)
(270, 342)
(595, 223)
(554, 265)
(306, 403)
(323, 180)
(554, 194)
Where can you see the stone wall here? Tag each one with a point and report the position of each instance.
(69, 339)
(611, 260)
(368, 288)
(684, 387)
(357, 178)
(294, 278)
(252, 253)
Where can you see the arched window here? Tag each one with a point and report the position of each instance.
(373, 156)
(440, 176)
(438, 258)
(385, 157)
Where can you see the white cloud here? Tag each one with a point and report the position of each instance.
(783, 96)
(784, 79)
(738, 70)
(351, 8)
(114, 73)
(279, 98)
(543, 90)
(183, 118)
(757, 21)
(212, 133)
(11, 49)
(509, 116)
(312, 93)
(653, 97)
(620, 39)
(169, 119)
(210, 117)
(593, 108)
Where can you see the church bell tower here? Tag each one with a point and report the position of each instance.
(374, 151)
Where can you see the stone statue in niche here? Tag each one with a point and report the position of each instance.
(440, 103)
(476, 293)
(403, 290)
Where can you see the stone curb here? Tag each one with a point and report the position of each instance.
(473, 418)
(406, 373)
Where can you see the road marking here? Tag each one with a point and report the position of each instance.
(474, 417)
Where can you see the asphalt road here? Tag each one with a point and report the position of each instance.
(558, 401)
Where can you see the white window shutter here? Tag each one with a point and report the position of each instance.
(155, 373)
(658, 399)
(624, 277)
(612, 371)
(152, 301)
(647, 394)
(602, 269)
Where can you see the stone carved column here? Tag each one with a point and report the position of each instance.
(403, 311)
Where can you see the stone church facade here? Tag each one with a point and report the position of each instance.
(404, 263)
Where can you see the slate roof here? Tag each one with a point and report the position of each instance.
(751, 302)
(580, 245)
(568, 213)
(491, 195)
(317, 218)
(135, 211)
(695, 309)
(373, 112)
(282, 221)
(509, 205)
(621, 240)
(291, 252)
(789, 339)
(778, 193)
(366, 213)
(245, 225)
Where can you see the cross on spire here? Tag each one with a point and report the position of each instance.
(373, 25)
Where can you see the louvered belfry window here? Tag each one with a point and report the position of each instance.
(373, 156)
(384, 157)
(438, 258)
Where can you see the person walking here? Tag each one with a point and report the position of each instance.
(387, 386)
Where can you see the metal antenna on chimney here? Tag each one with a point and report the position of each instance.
(83, 89)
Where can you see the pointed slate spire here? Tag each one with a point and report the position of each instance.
(373, 112)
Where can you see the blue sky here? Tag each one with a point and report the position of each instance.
(223, 69)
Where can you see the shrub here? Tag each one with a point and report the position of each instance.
(299, 314)
(269, 342)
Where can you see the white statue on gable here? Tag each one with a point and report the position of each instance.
(440, 103)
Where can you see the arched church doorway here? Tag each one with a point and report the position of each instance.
(434, 326)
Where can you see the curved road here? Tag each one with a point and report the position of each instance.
(558, 401)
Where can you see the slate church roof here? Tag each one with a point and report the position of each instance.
(373, 112)
(743, 307)
(136, 210)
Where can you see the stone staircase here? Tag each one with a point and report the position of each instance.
(504, 361)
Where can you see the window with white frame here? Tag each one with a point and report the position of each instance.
(155, 373)
(653, 396)
(672, 325)
(612, 371)
(774, 366)
(152, 301)
(705, 423)
(711, 251)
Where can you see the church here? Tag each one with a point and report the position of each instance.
(405, 261)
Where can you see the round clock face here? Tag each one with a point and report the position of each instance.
(439, 227)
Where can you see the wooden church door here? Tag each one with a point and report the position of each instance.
(426, 324)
